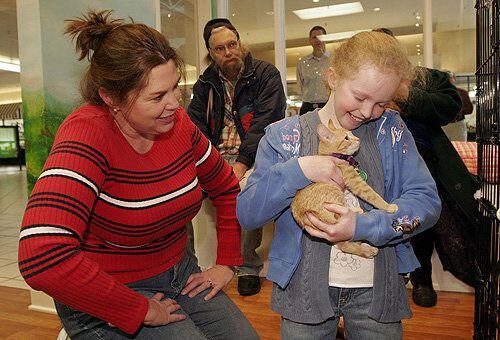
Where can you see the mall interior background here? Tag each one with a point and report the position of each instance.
(453, 47)
(453, 27)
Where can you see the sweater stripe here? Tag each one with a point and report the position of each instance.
(42, 231)
(60, 172)
(139, 230)
(205, 156)
(50, 266)
(140, 204)
(54, 202)
(91, 151)
(78, 204)
(171, 166)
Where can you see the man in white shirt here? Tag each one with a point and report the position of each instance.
(310, 71)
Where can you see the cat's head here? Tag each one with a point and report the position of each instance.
(336, 140)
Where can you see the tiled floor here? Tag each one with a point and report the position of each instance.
(13, 199)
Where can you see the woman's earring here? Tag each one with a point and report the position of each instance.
(115, 110)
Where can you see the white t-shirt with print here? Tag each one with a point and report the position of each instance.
(348, 270)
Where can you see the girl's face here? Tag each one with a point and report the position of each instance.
(362, 97)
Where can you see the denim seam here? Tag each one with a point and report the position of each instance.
(82, 324)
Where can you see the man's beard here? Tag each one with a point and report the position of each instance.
(231, 71)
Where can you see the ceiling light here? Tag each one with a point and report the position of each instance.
(418, 45)
(270, 13)
(329, 11)
(339, 36)
(376, 9)
(8, 64)
(417, 24)
(418, 17)
(233, 14)
(169, 15)
(315, 0)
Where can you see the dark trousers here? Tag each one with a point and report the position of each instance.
(306, 107)
(452, 236)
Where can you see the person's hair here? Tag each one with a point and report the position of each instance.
(317, 28)
(121, 55)
(371, 48)
(452, 75)
(384, 30)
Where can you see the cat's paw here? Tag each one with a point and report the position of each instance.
(368, 252)
(392, 208)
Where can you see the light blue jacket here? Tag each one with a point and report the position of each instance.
(277, 176)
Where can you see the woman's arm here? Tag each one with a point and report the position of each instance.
(55, 221)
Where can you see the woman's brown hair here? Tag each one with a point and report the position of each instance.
(121, 55)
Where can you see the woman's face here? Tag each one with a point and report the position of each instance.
(152, 111)
(362, 97)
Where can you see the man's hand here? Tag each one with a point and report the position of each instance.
(239, 170)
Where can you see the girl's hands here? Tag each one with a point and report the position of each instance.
(322, 169)
(161, 312)
(342, 230)
(214, 278)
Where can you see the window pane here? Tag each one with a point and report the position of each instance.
(177, 23)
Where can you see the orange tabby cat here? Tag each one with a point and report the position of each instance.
(314, 196)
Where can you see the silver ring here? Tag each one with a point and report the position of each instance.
(210, 283)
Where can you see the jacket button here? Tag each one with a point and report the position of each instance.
(458, 186)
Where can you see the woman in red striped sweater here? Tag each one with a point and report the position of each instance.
(104, 229)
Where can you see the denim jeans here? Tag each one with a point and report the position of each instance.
(354, 305)
(218, 318)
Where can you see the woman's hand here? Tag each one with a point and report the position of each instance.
(322, 169)
(342, 230)
(161, 312)
(215, 278)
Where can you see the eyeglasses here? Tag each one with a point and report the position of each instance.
(221, 49)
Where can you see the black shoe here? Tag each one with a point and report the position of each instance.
(424, 295)
(248, 285)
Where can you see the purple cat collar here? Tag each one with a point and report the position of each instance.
(348, 158)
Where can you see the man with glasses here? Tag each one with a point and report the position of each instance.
(233, 101)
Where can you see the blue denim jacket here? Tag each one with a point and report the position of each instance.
(277, 176)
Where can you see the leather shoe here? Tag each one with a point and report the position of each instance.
(248, 285)
(424, 295)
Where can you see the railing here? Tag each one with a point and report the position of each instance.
(487, 294)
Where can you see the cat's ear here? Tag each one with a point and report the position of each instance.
(323, 132)
(331, 77)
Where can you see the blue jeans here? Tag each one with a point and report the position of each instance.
(354, 305)
(218, 318)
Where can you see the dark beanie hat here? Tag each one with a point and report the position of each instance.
(215, 23)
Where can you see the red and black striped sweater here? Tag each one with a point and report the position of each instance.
(102, 215)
